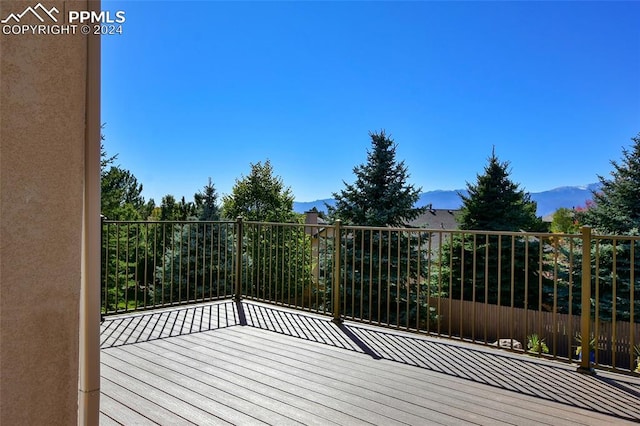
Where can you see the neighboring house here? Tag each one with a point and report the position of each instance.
(436, 219)
(312, 218)
(432, 219)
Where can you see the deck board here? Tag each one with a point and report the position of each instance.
(250, 363)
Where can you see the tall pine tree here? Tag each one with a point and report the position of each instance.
(206, 203)
(480, 267)
(380, 196)
(384, 277)
(496, 203)
(616, 207)
(616, 210)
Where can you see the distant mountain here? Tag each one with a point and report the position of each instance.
(565, 196)
(301, 207)
(548, 201)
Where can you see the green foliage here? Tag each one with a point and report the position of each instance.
(206, 203)
(495, 203)
(121, 197)
(536, 345)
(196, 263)
(489, 268)
(123, 245)
(380, 195)
(592, 343)
(494, 269)
(564, 221)
(120, 193)
(384, 277)
(260, 196)
(616, 208)
(172, 210)
(611, 267)
(278, 263)
(385, 282)
(614, 262)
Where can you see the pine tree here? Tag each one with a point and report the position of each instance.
(207, 203)
(480, 267)
(380, 196)
(386, 284)
(496, 203)
(616, 210)
(616, 207)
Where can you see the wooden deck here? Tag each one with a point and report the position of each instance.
(249, 363)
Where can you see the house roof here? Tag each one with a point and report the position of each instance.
(437, 219)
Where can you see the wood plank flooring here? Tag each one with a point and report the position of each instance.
(250, 363)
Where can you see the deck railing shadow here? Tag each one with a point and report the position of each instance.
(619, 396)
(160, 324)
(518, 373)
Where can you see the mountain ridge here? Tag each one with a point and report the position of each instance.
(548, 201)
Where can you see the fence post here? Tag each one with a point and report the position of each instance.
(238, 274)
(336, 272)
(585, 313)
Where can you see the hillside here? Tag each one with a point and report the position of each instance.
(548, 201)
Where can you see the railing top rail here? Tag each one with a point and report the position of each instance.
(615, 237)
(459, 231)
(318, 225)
(174, 222)
(594, 236)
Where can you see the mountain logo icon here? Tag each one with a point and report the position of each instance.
(39, 11)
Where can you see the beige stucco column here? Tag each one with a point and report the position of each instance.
(49, 220)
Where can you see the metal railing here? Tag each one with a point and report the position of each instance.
(528, 292)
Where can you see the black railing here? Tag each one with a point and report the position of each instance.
(524, 291)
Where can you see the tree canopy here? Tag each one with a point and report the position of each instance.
(616, 206)
(206, 203)
(496, 203)
(120, 193)
(260, 196)
(380, 195)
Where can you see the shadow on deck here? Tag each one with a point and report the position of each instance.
(606, 394)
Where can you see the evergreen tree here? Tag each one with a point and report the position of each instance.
(496, 203)
(383, 281)
(616, 207)
(615, 210)
(206, 203)
(260, 196)
(169, 208)
(380, 196)
(121, 195)
(480, 267)
(123, 245)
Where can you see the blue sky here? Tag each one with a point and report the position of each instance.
(201, 89)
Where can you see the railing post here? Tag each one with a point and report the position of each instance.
(585, 314)
(103, 291)
(238, 274)
(337, 244)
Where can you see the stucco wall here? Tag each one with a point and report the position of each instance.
(42, 136)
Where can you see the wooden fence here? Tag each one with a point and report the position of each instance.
(486, 323)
